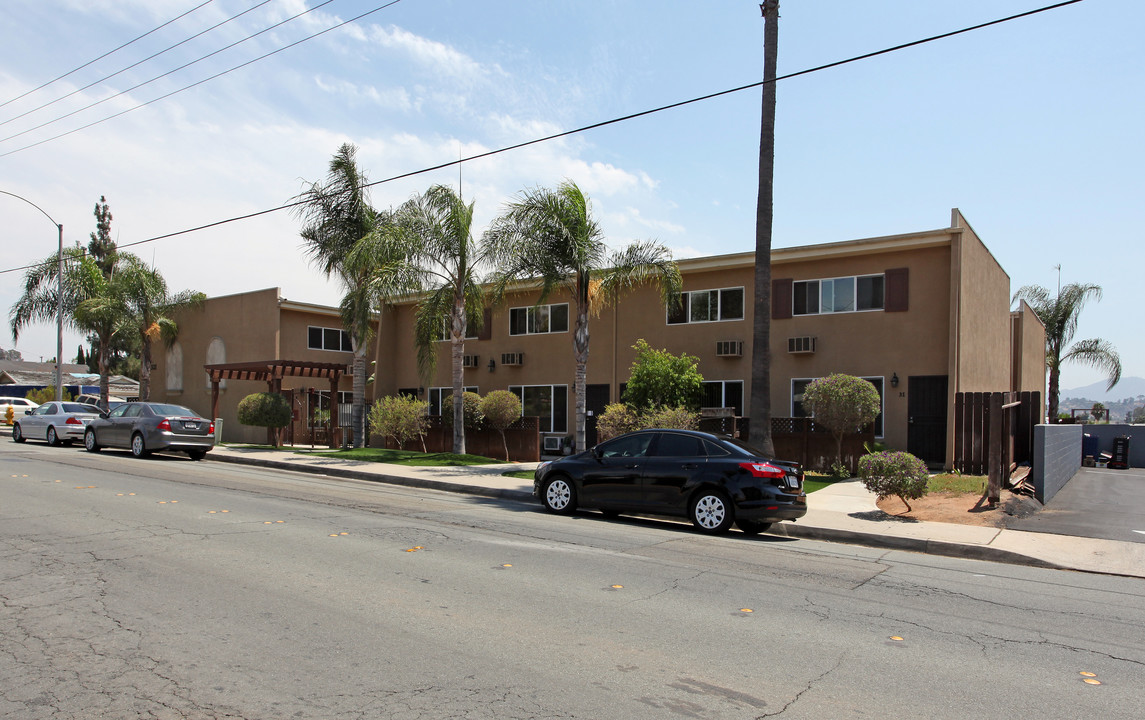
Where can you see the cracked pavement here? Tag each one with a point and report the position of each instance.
(174, 589)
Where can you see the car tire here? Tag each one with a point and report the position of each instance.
(559, 495)
(138, 448)
(89, 442)
(711, 512)
(196, 454)
(752, 527)
(53, 439)
(17, 434)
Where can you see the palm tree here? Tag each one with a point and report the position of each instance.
(1060, 316)
(432, 252)
(551, 235)
(151, 306)
(335, 216)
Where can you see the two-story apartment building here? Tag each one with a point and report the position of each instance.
(921, 315)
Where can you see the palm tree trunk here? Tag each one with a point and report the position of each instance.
(580, 352)
(104, 363)
(358, 414)
(457, 342)
(145, 369)
(1055, 381)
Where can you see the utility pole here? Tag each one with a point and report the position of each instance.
(760, 415)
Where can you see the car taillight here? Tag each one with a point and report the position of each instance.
(165, 424)
(763, 470)
(212, 430)
(73, 420)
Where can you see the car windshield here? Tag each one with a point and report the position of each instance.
(171, 410)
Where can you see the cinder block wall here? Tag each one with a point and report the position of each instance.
(1057, 457)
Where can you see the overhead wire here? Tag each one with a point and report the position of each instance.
(120, 72)
(593, 126)
(109, 52)
(171, 72)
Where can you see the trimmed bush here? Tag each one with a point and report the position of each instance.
(400, 417)
(680, 418)
(501, 409)
(616, 420)
(48, 394)
(843, 404)
(894, 473)
(269, 410)
(471, 407)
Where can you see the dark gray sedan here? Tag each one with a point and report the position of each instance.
(56, 422)
(146, 427)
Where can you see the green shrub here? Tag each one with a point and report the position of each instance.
(471, 408)
(269, 410)
(843, 404)
(48, 394)
(894, 473)
(616, 420)
(660, 379)
(680, 418)
(501, 409)
(400, 417)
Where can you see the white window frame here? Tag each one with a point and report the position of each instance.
(724, 392)
(519, 391)
(344, 339)
(441, 392)
(719, 306)
(854, 294)
(444, 336)
(881, 386)
(531, 317)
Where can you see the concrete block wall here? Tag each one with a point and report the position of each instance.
(1106, 433)
(1057, 457)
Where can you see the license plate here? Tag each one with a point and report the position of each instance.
(191, 425)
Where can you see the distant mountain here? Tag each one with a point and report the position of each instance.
(1129, 387)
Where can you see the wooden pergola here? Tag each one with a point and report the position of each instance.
(271, 372)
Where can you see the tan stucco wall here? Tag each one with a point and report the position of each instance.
(1029, 343)
(980, 314)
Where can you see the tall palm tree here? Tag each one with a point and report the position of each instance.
(151, 306)
(335, 215)
(551, 235)
(1059, 313)
(435, 255)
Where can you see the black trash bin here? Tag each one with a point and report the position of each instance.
(1120, 459)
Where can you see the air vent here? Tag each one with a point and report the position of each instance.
(552, 443)
(512, 358)
(805, 344)
(470, 361)
(729, 348)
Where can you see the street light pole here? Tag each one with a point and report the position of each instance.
(59, 298)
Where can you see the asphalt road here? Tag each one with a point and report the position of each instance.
(1096, 503)
(166, 588)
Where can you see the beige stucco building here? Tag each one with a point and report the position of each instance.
(922, 315)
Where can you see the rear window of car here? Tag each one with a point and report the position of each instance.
(676, 445)
(171, 410)
(79, 408)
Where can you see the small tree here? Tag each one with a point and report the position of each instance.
(616, 420)
(661, 379)
(1099, 412)
(501, 409)
(894, 473)
(471, 411)
(842, 404)
(268, 410)
(400, 417)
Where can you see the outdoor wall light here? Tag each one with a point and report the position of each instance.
(492, 364)
(894, 380)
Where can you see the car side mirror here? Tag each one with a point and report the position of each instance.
(104, 414)
(27, 412)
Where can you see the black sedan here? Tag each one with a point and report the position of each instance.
(714, 480)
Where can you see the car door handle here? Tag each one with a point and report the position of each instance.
(632, 466)
(689, 466)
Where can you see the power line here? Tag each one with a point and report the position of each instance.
(121, 71)
(593, 126)
(109, 52)
(171, 72)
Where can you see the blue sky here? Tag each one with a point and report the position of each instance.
(1030, 128)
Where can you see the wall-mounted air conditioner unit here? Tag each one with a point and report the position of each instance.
(513, 358)
(470, 361)
(805, 344)
(729, 348)
(552, 443)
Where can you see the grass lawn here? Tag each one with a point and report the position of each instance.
(954, 483)
(404, 457)
(522, 474)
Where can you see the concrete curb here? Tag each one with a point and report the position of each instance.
(796, 530)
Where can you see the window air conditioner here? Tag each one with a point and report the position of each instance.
(552, 443)
(513, 358)
(470, 361)
(729, 348)
(805, 344)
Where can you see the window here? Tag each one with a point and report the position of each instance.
(676, 445)
(707, 306)
(799, 385)
(444, 336)
(442, 397)
(631, 446)
(539, 319)
(319, 402)
(838, 295)
(548, 402)
(723, 394)
(322, 338)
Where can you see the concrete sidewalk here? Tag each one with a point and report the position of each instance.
(844, 512)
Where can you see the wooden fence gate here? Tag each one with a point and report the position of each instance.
(993, 431)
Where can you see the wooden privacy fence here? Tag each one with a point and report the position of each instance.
(809, 444)
(993, 432)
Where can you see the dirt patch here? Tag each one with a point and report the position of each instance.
(960, 508)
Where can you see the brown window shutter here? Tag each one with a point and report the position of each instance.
(486, 331)
(781, 298)
(898, 290)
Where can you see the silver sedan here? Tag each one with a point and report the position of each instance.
(146, 427)
(56, 422)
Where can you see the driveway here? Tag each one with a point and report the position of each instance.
(1096, 503)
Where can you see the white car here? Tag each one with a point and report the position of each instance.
(56, 422)
(18, 405)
